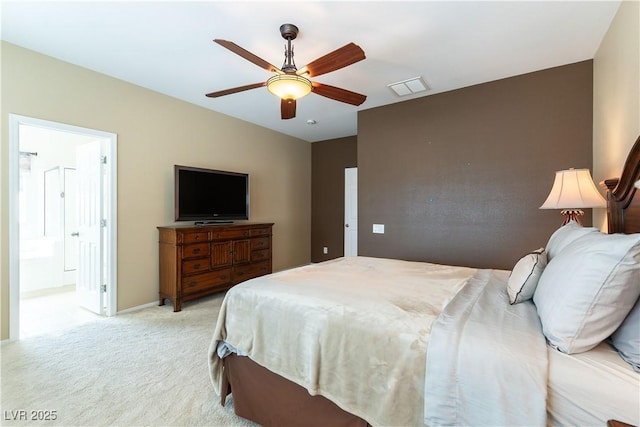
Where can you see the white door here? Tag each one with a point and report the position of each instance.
(350, 212)
(89, 274)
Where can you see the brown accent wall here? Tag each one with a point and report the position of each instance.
(329, 159)
(458, 177)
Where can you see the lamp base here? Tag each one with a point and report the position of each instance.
(571, 215)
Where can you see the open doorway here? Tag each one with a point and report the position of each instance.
(62, 234)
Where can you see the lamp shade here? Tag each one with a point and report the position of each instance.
(289, 86)
(574, 189)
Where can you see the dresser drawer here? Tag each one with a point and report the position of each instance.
(196, 250)
(261, 254)
(249, 271)
(264, 231)
(260, 243)
(201, 282)
(195, 265)
(230, 234)
(197, 236)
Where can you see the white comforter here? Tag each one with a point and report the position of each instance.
(354, 330)
(486, 360)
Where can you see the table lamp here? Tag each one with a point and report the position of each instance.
(573, 189)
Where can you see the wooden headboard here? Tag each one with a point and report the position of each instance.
(623, 208)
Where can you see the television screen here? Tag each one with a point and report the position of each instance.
(210, 195)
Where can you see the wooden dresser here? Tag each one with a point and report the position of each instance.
(201, 260)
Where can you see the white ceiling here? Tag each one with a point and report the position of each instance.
(167, 46)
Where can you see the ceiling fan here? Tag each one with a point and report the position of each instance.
(289, 83)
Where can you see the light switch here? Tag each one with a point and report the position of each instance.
(378, 228)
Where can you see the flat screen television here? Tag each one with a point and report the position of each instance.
(209, 196)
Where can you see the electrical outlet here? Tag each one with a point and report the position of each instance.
(325, 250)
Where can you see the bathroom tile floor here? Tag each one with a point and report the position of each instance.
(51, 312)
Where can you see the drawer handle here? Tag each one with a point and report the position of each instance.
(240, 273)
(223, 277)
(196, 251)
(196, 266)
(192, 283)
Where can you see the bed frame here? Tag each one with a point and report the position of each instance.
(623, 209)
(269, 399)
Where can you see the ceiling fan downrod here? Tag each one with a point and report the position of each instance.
(289, 32)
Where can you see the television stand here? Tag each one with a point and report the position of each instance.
(213, 222)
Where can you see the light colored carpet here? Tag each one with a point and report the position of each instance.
(143, 368)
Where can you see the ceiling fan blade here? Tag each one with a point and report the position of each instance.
(248, 55)
(339, 58)
(235, 90)
(338, 94)
(287, 108)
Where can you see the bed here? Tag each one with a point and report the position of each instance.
(367, 341)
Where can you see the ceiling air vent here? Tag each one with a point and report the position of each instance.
(409, 86)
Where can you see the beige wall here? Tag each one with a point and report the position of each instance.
(154, 133)
(616, 96)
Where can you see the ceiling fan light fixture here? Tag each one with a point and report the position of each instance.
(289, 86)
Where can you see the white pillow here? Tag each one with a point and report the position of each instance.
(525, 275)
(587, 290)
(626, 339)
(565, 235)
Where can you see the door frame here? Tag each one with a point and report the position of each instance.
(110, 255)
